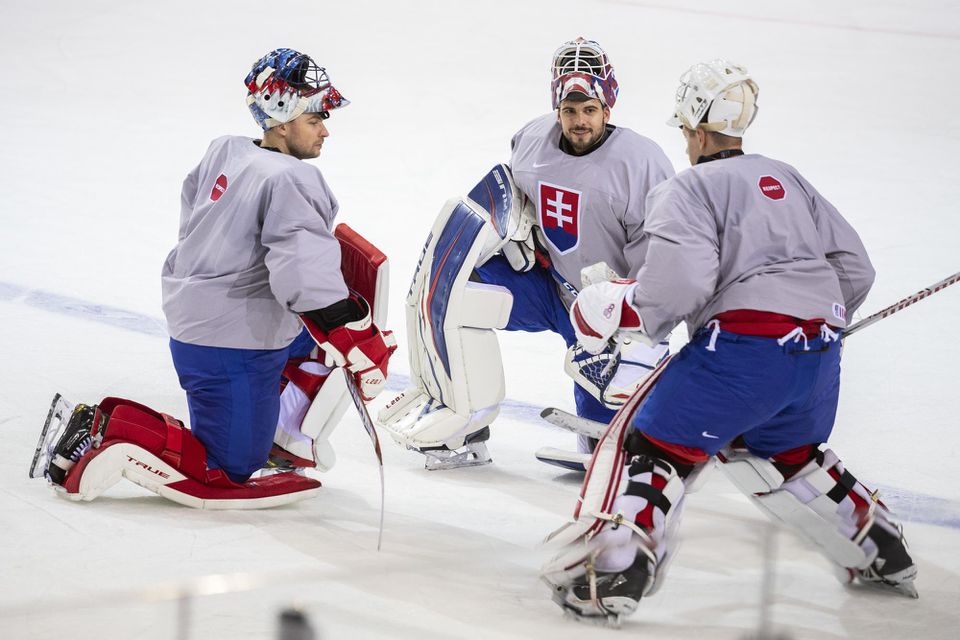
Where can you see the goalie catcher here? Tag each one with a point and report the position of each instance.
(258, 285)
(511, 256)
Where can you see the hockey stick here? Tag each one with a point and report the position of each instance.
(371, 431)
(583, 426)
(906, 302)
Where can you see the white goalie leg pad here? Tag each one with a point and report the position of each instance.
(304, 426)
(803, 505)
(455, 365)
(603, 483)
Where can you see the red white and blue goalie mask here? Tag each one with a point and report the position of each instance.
(582, 66)
(285, 84)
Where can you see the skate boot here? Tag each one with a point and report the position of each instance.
(893, 568)
(603, 597)
(472, 453)
(603, 578)
(75, 441)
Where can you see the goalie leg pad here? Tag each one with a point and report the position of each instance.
(311, 406)
(455, 362)
(156, 452)
(596, 511)
(826, 505)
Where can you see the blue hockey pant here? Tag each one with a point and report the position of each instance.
(234, 400)
(775, 396)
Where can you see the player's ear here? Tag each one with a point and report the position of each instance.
(606, 114)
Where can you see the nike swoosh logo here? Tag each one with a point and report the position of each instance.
(708, 435)
(538, 165)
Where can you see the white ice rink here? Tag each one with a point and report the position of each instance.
(107, 104)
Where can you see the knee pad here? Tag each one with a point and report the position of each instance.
(158, 453)
(455, 365)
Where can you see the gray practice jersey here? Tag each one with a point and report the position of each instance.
(747, 232)
(255, 246)
(589, 208)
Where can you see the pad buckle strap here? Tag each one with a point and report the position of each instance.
(796, 336)
(173, 449)
(617, 519)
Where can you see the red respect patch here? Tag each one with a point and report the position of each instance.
(219, 188)
(771, 187)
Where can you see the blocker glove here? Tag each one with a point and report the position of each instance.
(601, 310)
(346, 334)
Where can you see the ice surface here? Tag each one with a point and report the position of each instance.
(108, 104)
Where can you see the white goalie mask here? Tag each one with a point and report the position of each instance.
(582, 66)
(717, 96)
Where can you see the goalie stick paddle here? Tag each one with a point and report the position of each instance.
(372, 432)
(898, 306)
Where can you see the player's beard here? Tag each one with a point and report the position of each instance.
(582, 139)
(304, 151)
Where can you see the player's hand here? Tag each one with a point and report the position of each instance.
(360, 347)
(601, 310)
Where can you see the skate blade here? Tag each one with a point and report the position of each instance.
(53, 428)
(905, 588)
(586, 612)
(470, 455)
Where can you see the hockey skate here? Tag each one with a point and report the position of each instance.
(604, 597)
(473, 453)
(67, 434)
(893, 569)
(281, 461)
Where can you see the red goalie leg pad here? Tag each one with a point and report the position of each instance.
(159, 453)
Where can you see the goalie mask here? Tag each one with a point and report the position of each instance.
(582, 66)
(717, 96)
(284, 84)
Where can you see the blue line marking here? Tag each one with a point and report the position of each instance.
(908, 506)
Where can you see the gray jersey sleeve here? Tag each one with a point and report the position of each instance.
(303, 257)
(681, 266)
(844, 251)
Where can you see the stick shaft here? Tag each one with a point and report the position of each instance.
(898, 306)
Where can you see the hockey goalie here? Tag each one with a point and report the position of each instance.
(86, 449)
(513, 255)
(764, 271)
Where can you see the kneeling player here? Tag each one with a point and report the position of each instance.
(255, 282)
(512, 255)
(764, 271)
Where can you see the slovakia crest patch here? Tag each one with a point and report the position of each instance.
(559, 212)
